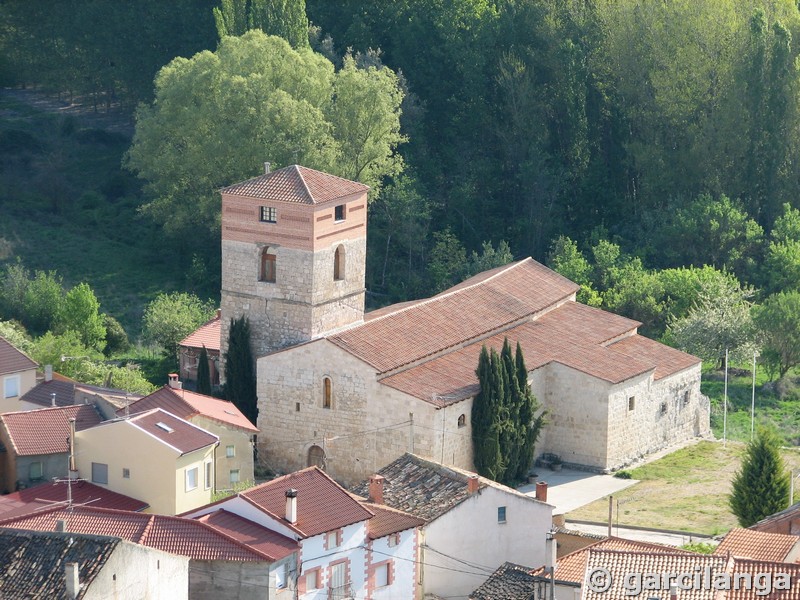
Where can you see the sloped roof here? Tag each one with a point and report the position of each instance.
(176, 535)
(388, 520)
(13, 360)
(268, 542)
(32, 562)
(186, 404)
(34, 498)
(666, 360)
(756, 568)
(508, 582)
(786, 515)
(41, 393)
(296, 184)
(322, 504)
(46, 430)
(757, 545)
(183, 437)
(487, 302)
(208, 335)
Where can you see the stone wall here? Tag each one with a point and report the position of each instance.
(213, 579)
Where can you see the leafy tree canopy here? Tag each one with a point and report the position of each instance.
(80, 312)
(284, 18)
(171, 317)
(778, 321)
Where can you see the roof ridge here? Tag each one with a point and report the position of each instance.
(147, 528)
(303, 181)
(230, 538)
(37, 410)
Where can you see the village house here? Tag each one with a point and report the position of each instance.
(153, 455)
(233, 457)
(58, 564)
(206, 336)
(34, 445)
(468, 520)
(350, 392)
(349, 548)
(17, 373)
(786, 521)
(760, 545)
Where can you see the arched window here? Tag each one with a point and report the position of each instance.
(338, 264)
(316, 457)
(327, 392)
(462, 420)
(266, 271)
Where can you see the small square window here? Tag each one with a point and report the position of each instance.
(230, 451)
(312, 580)
(394, 540)
(269, 214)
(339, 213)
(99, 473)
(126, 473)
(631, 402)
(333, 539)
(35, 470)
(501, 514)
(191, 479)
(234, 476)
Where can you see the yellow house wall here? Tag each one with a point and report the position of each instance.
(229, 436)
(201, 495)
(27, 379)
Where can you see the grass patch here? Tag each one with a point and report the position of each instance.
(686, 490)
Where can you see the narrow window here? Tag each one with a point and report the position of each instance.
(230, 451)
(327, 392)
(338, 213)
(501, 514)
(209, 475)
(234, 476)
(631, 402)
(11, 386)
(99, 473)
(462, 420)
(268, 265)
(338, 264)
(191, 479)
(686, 398)
(280, 577)
(126, 473)
(268, 214)
(35, 471)
(663, 408)
(333, 539)
(296, 407)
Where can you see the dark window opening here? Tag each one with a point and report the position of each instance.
(269, 214)
(267, 269)
(339, 213)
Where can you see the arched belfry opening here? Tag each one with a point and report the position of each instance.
(267, 270)
(338, 263)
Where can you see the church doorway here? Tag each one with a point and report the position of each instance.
(316, 457)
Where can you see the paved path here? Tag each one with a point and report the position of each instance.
(569, 489)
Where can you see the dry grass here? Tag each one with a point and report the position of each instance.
(686, 490)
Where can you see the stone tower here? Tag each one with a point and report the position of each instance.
(293, 256)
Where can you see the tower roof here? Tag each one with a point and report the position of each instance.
(296, 184)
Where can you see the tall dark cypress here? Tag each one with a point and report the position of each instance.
(530, 424)
(240, 380)
(203, 373)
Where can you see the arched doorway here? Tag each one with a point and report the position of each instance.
(316, 457)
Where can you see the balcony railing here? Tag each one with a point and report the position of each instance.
(341, 592)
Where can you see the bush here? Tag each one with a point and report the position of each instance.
(623, 474)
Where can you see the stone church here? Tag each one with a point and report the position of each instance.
(351, 391)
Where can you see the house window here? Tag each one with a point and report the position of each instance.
(267, 268)
(209, 475)
(99, 473)
(234, 476)
(631, 402)
(313, 579)
(339, 213)
(126, 473)
(686, 398)
(11, 386)
(663, 408)
(191, 479)
(281, 577)
(327, 392)
(501, 514)
(35, 470)
(296, 407)
(268, 214)
(332, 539)
(230, 451)
(338, 264)
(462, 420)
(393, 540)
(383, 574)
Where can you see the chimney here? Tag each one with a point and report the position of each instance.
(673, 592)
(291, 506)
(541, 491)
(73, 470)
(174, 383)
(266, 168)
(73, 580)
(53, 399)
(473, 484)
(376, 489)
(219, 313)
(61, 526)
(48, 372)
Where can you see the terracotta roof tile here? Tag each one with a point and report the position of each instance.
(783, 518)
(173, 431)
(32, 563)
(756, 568)
(13, 360)
(322, 504)
(508, 582)
(666, 360)
(388, 520)
(35, 498)
(186, 404)
(475, 308)
(175, 535)
(46, 430)
(757, 545)
(269, 543)
(208, 335)
(296, 184)
(41, 393)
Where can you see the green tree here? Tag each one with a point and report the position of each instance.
(171, 317)
(50, 349)
(485, 418)
(530, 422)
(16, 335)
(489, 258)
(783, 252)
(203, 373)
(80, 312)
(257, 99)
(240, 379)
(761, 487)
(446, 261)
(565, 258)
(778, 322)
(284, 18)
(116, 337)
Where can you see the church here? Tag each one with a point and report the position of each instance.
(351, 391)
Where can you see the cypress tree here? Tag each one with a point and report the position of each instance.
(240, 380)
(485, 442)
(761, 486)
(512, 432)
(203, 373)
(530, 424)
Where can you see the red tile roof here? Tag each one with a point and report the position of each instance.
(41, 393)
(388, 520)
(478, 306)
(757, 545)
(207, 335)
(296, 184)
(35, 498)
(175, 535)
(13, 360)
(46, 431)
(322, 504)
(269, 543)
(666, 360)
(186, 404)
(756, 568)
(183, 437)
